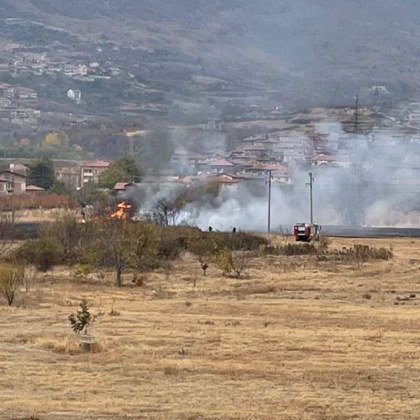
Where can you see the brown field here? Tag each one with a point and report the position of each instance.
(296, 339)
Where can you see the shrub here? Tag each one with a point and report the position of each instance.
(223, 260)
(173, 240)
(292, 249)
(359, 252)
(66, 231)
(237, 241)
(11, 277)
(81, 271)
(42, 253)
(232, 261)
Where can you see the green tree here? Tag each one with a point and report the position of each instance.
(82, 319)
(41, 174)
(125, 169)
(60, 188)
(43, 253)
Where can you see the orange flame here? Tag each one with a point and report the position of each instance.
(121, 212)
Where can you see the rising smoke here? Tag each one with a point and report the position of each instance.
(375, 182)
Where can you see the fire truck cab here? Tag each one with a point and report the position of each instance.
(306, 232)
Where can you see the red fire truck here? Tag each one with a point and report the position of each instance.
(306, 232)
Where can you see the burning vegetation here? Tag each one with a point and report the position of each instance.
(122, 211)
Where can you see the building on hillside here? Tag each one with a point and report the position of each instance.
(7, 91)
(218, 166)
(184, 162)
(91, 171)
(26, 94)
(5, 103)
(74, 95)
(322, 159)
(279, 172)
(24, 114)
(225, 180)
(214, 125)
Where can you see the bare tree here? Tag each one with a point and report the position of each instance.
(7, 233)
(240, 261)
(233, 261)
(145, 245)
(113, 245)
(68, 232)
(11, 277)
(166, 212)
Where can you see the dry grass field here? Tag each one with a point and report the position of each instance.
(297, 338)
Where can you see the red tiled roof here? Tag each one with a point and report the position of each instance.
(270, 167)
(223, 179)
(97, 164)
(220, 162)
(323, 157)
(120, 186)
(33, 188)
(185, 179)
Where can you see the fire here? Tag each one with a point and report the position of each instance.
(122, 211)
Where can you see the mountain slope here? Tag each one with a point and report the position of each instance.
(321, 50)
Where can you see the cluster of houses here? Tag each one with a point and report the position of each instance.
(278, 154)
(39, 64)
(18, 103)
(11, 100)
(75, 175)
(13, 180)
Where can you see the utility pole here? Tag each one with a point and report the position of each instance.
(269, 203)
(356, 116)
(311, 205)
(356, 165)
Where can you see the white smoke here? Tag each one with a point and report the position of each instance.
(372, 184)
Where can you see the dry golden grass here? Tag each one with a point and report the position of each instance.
(296, 338)
(42, 215)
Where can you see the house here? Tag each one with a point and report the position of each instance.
(91, 171)
(74, 95)
(18, 168)
(322, 159)
(225, 180)
(24, 114)
(34, 189)
(5, 103)
(121, 187)
(7, 91)
(12, 182)
(218, 166)
(185, 162)
(26, 94)
(71, 70)
(214, 125)
(278, 171)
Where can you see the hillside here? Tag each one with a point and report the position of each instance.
(290, 51)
